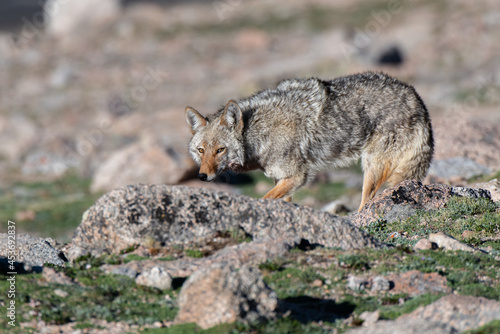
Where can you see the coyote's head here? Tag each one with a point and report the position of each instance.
(217, 142)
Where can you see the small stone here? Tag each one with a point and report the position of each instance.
(61, 293)
(369, 318)
(336, 207)
(380, 283)
(449, 243)
(423, 244)
(125, 271)
(356, 283)
(50, 275)
(317, 282)
(156, 277)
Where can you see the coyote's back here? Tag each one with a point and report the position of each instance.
(305, 125)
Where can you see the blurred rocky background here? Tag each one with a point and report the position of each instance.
(92, 93)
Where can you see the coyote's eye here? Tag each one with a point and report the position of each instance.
(201, 150)
(220, 150)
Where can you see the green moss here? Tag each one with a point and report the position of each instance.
(458, 207)
(273, 265)
(129, 249)
(85, 325)
(100, 296)
(292, 282)
(356, 262)
(280, 326)
(134, 257)
(176, 329)
(480, 216)
(394, 310)
(492, 327)
(195, 253)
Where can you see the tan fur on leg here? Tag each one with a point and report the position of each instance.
(283, 188)
(371, 184)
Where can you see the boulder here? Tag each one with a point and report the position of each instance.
(32, 251)
(493, 187)
(143, 162)
(222, 294)
(450, 314)
(457, 168)
(177, 215)
(476, 139)
(403, 201)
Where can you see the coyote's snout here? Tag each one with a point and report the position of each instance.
(305, 125)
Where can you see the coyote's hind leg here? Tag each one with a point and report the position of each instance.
(372, 181)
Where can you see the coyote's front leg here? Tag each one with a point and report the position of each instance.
(285, 188)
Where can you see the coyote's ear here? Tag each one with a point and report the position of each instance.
(195, 120)
(232, 116)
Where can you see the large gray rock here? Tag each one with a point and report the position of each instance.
(147, 161)
(32, 251)
(449, 314)
(457, 167)
(493, 186)
(177, 215)
(222, 294)
(403, 201)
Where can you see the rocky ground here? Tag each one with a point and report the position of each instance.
(83, 117)
(172, 259)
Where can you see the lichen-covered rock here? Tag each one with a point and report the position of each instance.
(493, 187)
(450, 314)
(177, 215)
(403, 201)
(222, 294)
(32, 251)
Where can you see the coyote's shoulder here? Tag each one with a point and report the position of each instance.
(304, 125)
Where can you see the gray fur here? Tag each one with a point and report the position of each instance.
(306, 125)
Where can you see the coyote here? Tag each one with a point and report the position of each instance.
(305, 125)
